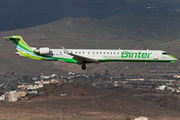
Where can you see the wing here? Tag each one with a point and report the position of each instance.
(79, 58)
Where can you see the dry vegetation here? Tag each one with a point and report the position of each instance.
(91, 103)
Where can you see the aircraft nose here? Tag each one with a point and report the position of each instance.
(172, 57)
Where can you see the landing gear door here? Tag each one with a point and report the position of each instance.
(155, 56)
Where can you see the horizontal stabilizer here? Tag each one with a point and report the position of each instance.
(12, 38)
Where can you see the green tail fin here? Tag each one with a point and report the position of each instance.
(20, 44)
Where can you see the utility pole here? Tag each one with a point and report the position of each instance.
(41, 75)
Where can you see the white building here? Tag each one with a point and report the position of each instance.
(53, 75)
(161, 87)
(38, 82)
(32, 87)
(34, 78)
(2, 98)
(71, 73)
(13, 96)
(176, 76)
(116, 82)
(178, 91)
(45, 82)
(141, 118)
(46, 77)
(136, 79)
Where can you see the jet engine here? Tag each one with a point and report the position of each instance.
(42, 51)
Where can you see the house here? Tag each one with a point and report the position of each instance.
(54, 81)
(21, 94)
(34, 78)
(141, 118)
(176, 76)
(2, 98)
(53, 75)
(34, 87)
(39, 82)
(11, 96)
(171, 89)
(6, 96)
(23, 87)
(33, 92)
(163, 87)
(136, 79)
(45, 82)
(71, 74)
(178, 91)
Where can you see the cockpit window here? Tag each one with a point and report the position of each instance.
(165, 53)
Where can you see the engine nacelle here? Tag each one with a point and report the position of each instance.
(43, 50)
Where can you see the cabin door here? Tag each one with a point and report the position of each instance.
(155, 56)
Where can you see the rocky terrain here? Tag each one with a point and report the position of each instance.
(85, 102)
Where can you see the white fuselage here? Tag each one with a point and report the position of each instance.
(116, 55)
(83, 56)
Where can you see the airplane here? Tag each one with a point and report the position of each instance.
(84, 56)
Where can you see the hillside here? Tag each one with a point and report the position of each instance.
(160, 27)
(28, 13)
(93, 103)
(25, 13)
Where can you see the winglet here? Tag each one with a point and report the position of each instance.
(16, 37)
(6, 38)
